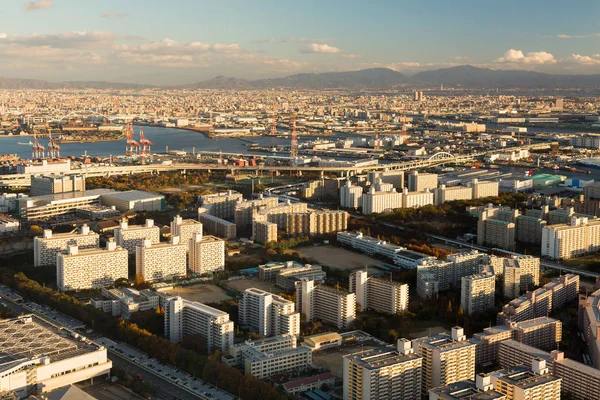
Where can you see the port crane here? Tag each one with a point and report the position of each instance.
(37, 150)
(211, 128)
(53, 148)
(145, 145)
(273, 130)
(131, 146)
(294, 143)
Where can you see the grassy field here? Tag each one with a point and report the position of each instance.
(337, 257)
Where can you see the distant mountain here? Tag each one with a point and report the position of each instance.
(220, 82)
(469, 76)
(17, 83)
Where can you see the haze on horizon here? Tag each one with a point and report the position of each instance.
(183, 41)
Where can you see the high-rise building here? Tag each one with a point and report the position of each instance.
(264, 232)
(131, 237)
(484, 189)
(529, 229)
(589, 324)
(49, 245)
(161, 261)
(91, 268)
(496, 227)
(328, 304)
(563, 241)
(376, 202)
(416, 199)
(188, 318)
(481, 389)
(477, 293)
(382, 295)
(185, 229)
(53, 184)
(418, 182)
(216, 226)
(527, 383)
(244, 209)
(268, 314)
(444, 194)
(221, 205)
(384, 373)
(395, 177)
(519, 273)
(447, 358)
(206, 254)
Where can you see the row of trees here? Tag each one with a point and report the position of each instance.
(227, 378)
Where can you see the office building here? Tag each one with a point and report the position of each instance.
(481, 389)
(382, 295)
(38, 357)
(268, 314)
(477, 293)
(91, 268)
(49, 245)
(270, 356)
(244, 209)
(579, 381)
(221, 205)
(287, 277)
(377, 202)
(162, 261)
(447, 358)
(40, 208)
(563, 241)
(418, 182)
(53, 184)
(452, 193)
(217, 226)
(131, 237)
(325, 303)
(519, 273)
(206, 254)
(527, 383)
(384, 373)
(185, 229)
(187, 318)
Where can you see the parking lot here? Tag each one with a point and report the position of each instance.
(180, 378)
(59, 317)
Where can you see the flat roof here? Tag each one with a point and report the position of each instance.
(133, 195)
(324, 337)
(413, 255)
(522, 376)
(465, 390)
(204, 308)
(67, 196)
(380, 357)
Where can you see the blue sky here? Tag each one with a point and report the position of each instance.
(183, 41)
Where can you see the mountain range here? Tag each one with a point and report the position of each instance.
(374, 78)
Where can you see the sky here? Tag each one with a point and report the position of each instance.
(185, 41)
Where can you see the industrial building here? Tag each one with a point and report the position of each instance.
(134, 200)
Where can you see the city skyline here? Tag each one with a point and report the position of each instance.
(185, 42)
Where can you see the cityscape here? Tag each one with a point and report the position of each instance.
(216, 202)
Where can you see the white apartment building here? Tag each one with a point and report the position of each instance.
(444, 194)
(206, 254)
(91, 268)
(384, 373)
(9, 224)
(395, 177)
(131, 237)
(51, 184)
(287, 277)
(416, 199)
(527, 383)
(184, 317)
(481, 389)
(221, 205)
(161, 261)
(484, 189)
(351, 196)
(38, 357)
(477, 293)
(268, 314)
(497, 227)
(519, 273)
(376, 202)
(330, 305)
(563, 241)
(185, 229)
(447, 358)
(244, 209)
(382, 295)
(418, 182)
(47, 247)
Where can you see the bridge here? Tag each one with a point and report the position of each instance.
(17, 180)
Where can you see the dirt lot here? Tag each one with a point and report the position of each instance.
(202, 293)
(332, 359)
(337, 257)
(243, 284)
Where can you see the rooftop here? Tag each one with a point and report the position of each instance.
(132, 195)
(522, 377)
(380, 357)
(204, 308)
(465, 390)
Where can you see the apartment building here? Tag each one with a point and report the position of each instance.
(268, 314)
(206, 254)
(416, 199)
(49, 245)
(395, 177)
(579, 381)
(221, 205)
(447, 358)
(452, 193)
(589, 324)
(185, 229)
(91, 268)
(183, 318)
(488, 343)
(162, 261)
(377, 202)
(527, 383)
(384, 373)
(519, 273)
(271, 356)
(244, 209)
(563, 241)
(484, 189)
(216, 226)
(278, 215)
(315, 223)
(320, 189)
(264, 232)
(480, 389)
(351, 196)
(382, 295)
(53, 184)
(496, 227)
(477, 293)
(373, 246)
(131, 237)
(287, 277)
(529, 229)
(418, 182)
(330, 305)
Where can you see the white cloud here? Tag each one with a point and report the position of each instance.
(320, 48)
(111, 14)
(583, 60)
(586, 36)
(350, 56)
(38, 5)
(264, 41)
(513, 56)
(76, 39)
(307, 40)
